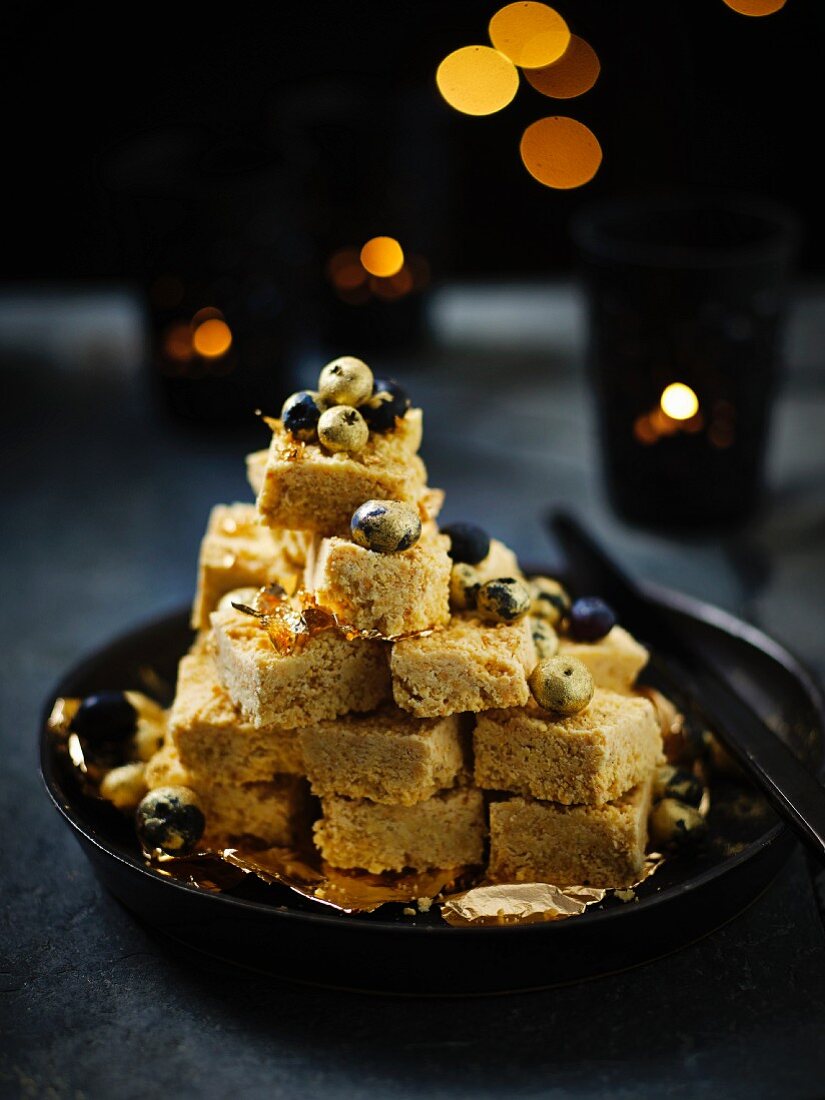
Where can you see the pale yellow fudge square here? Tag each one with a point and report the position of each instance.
(468, 666)
(272, 811)
(446, 830)
(327, 676)
(238, 551)
(395, 594)
(501, 561)
(603, 845)
(593, 756)
(614, 661)
(215, 740)
(388, 756)
(307, 488)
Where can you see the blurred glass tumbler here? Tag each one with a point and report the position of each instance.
(686, 301)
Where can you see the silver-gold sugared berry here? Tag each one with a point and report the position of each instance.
(545, 639)
(676, 826)
(345, 381)
(125, 786)
(503, 600)
(342, 428)
(678, 783)
(550, 601)
(385, 526)
(170, 818)
(561, 684)
(464, 585)
(300, 415)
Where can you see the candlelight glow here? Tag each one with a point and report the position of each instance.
(560, 152)
(177, 342)
(212, 338)
(755, 7)
(477, 80)
(382, 256)
(573, 74)
(531, 35)
(679, 402)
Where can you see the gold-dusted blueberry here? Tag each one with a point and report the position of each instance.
(342, 428)
(550, 601)
(545, 638)
(678, 783)
(468, 542)
(675, 826)
(385, 526)
(503, 600)
(300, 415)
(125, 786)
(345, 381)
(170, 818)
(561, 684)
(464, 585)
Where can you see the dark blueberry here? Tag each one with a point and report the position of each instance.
(590, 619)
(503, 600)
(300, 415)
(675, 826)
(388, 402)
(468, 542)
(107, 716)
(171, 819)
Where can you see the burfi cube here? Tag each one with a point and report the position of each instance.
(238, 551)
(277, 811)
(394, 593)
(593, 756)
(215, 741)
(327, 676)
(468, 666)
(614, 661)
(388, 756)
(306, 488)
(446, 830)
(532, 841)
(273, 811)
(255, 466)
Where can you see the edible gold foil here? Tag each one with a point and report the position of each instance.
(519, 903)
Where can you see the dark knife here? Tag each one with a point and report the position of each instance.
(789, 786)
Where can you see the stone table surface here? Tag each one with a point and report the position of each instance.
(104, 505)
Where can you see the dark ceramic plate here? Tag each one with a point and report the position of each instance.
(271, 929)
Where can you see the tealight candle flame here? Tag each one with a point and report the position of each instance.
(679, 401)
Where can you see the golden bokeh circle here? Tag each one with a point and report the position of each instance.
(573, 74)
(560, 152)
(477, 80)
(531, 35)
(679, 401)
(382, 256)
(755, 7)
(212, 338)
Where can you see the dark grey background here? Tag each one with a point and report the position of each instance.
(104, 505)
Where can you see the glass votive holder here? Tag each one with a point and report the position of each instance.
(685, 303)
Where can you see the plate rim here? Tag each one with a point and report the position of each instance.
(696, 608)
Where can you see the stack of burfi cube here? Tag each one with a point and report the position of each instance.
(404, 734)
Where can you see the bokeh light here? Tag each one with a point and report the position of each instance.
(212, 338)
(345, 270)
(477, 80)
(755, 7)
(560, 152)
(382, 256)
(177, 342)
(679, 401)
(573, 74)
(531, 35)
